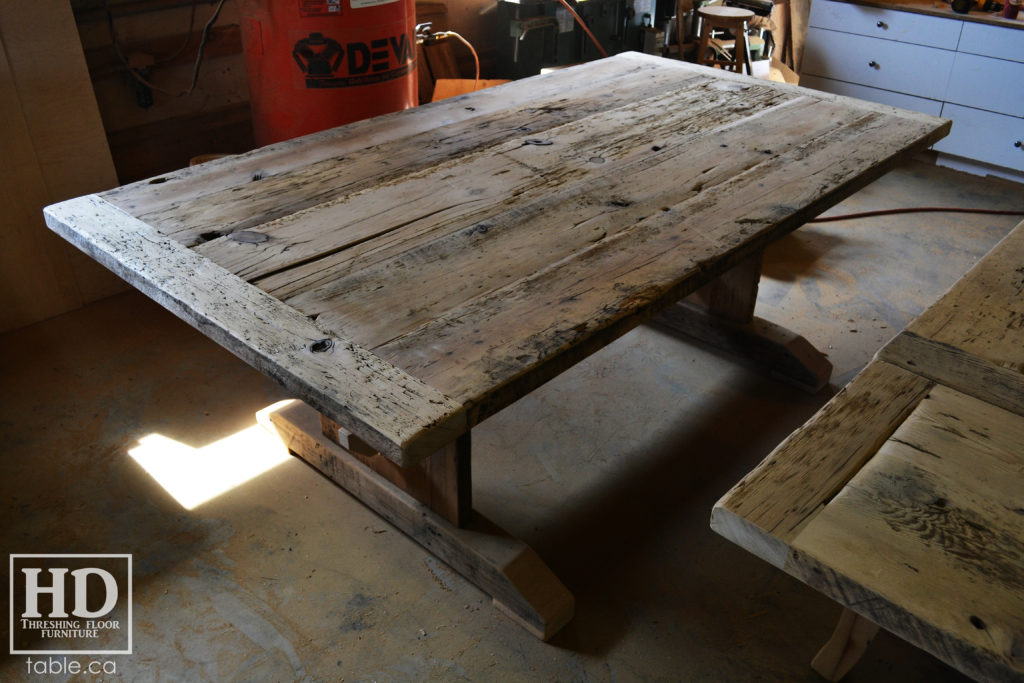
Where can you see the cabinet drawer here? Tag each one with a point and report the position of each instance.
(984, 136)
(986, 83)
(907, 27)
(886, 64)
(862, 92)
(1002, 42)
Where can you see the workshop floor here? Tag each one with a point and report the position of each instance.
(609, 471)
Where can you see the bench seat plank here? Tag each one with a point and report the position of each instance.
(903, 498)
(972, 337)
(929, 535)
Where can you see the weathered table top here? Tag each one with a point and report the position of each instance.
(903, 499)
(412, 274)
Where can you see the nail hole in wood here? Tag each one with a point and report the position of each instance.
(157, 181)
(322, 346)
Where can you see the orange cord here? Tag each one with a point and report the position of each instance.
(583, 25)
(476, 59)
(919, 209)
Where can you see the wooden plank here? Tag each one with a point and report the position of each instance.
(440, 60)
(848, 643)
(504, 567)
(300, 173)
(721, 315)
(732, 296)
(607, 288)
(954, 367)
(442, 482)
(767, 509)
(393, 412)
(928, 538)
(519, 189)
(225, 197)
(973, 337)
(766, 346)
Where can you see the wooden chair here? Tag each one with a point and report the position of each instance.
(733, 19)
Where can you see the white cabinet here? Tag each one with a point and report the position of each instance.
(978, 134)
(993, 41)
(893, 99)
(885, 23)
(877, 63)
(970, 72)
(994, 85)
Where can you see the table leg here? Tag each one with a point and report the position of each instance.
(504, 567)
(442, 482)
(722, 314)
(847, 645)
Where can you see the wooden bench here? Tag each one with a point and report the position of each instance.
(903, 498)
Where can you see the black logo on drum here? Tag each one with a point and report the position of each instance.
(326, 63)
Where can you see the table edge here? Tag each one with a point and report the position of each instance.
(404, 418)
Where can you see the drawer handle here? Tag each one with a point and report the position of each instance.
(873, 64)
(882, 25)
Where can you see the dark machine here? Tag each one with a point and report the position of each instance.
(534, 34)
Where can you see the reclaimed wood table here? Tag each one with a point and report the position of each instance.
(903, 499)
(408, 276)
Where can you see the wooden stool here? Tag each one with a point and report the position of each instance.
(733, 19)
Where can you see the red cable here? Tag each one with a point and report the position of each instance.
(920, 209)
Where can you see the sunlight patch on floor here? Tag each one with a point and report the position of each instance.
(194, 476)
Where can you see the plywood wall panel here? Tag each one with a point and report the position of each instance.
(54, 147)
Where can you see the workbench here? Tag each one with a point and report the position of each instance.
(408, 276)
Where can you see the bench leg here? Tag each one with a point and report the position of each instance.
(721, 314)
(848, 643)
(504, 567)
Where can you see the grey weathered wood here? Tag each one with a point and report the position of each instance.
(395, 413)
(442, 482)
(485, 244)
(851, 638)
(721, 314)
(903, 499)
(504, 567)
(779, 352)
(305, 171)
(970, 338)
(927, 539)
(732, 295)
(766, 510)
(954, 367)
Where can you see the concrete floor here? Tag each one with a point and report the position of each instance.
(609, 471)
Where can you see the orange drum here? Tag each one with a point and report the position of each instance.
(316, 64)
